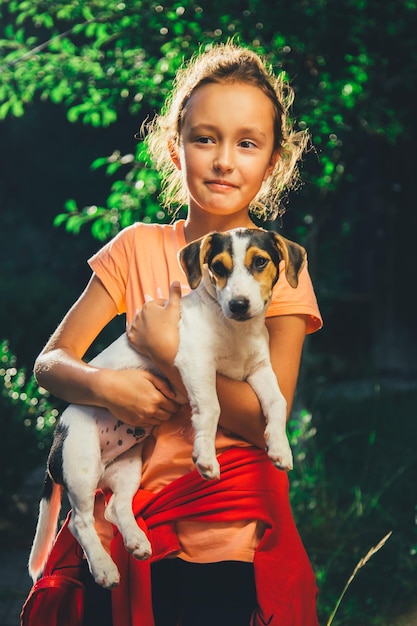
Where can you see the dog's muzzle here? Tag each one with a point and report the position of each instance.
(239, 308)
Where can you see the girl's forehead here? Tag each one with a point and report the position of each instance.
(230, 102)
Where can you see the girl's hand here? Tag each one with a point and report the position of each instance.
(138, 397)
(154, 333)
(154, 329)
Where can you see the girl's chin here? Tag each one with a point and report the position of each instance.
(222, 209)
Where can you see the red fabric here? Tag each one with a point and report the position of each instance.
(57, 599)
(250, 488)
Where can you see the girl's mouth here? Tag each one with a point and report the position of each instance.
(220, 184)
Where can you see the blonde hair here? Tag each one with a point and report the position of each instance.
(220, 64)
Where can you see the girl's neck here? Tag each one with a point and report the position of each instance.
(196, 228)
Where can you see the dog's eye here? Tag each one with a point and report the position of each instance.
(260, 262)
(219, 269)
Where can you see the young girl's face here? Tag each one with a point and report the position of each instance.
(226, 148)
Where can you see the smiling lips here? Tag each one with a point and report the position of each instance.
(220, 184)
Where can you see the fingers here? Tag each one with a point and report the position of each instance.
(140, 397)
(163, 386)
(161, 413)
(173, 302)
(174, 295)
(161, 400)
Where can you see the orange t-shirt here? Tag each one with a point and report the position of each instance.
(138, 265)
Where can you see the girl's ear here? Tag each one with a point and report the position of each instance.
(272, 164)
(173, 153)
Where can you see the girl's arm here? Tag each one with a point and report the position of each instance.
(134, 396)
(154, 332)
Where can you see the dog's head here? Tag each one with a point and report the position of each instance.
(242, 265)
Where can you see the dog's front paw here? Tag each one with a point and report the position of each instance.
(204, 457)
(280, 454)
(139, 547)
(208, 466)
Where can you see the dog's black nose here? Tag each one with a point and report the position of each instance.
(239, 305)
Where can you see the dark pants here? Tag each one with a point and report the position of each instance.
(220, 594)
(213, 594)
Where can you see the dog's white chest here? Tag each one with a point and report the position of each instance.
(208, 339)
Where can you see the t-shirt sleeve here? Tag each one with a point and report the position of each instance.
(301, 300)
(111, 264)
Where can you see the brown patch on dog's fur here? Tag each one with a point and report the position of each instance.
(294, 256)
(266, 275)
(226, 264)
(192, 258)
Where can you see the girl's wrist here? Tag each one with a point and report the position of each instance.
(101, 384)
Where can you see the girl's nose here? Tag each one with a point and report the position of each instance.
(224, 159)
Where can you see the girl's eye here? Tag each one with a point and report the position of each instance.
(247, 144)
(203, 140)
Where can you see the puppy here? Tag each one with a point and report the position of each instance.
(222, 329)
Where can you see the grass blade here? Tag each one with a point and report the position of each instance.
(360, 564)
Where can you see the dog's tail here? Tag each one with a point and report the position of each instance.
(49, 508)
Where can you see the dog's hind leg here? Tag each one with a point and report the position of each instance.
(123, 478)
(83, 469)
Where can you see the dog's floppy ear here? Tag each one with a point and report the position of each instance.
(294, 256)
(192, 258)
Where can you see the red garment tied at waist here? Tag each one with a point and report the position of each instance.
(250, 488)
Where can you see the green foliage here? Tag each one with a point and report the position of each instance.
(28, 421)
(133, 198)
(352, 64)
(353, 482)
(100, 57)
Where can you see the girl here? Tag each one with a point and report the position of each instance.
(226, 148)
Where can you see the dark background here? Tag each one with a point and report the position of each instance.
(353, 427)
